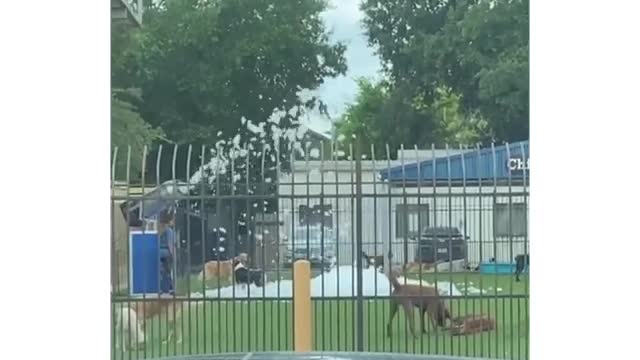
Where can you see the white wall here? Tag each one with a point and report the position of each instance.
(470, 209)
(338, 178)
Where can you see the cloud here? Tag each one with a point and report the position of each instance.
(343, 19)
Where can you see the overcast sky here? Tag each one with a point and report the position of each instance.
(343, 20)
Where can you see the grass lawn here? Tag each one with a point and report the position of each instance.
(235, 325)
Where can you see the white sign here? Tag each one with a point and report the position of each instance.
(515, 164)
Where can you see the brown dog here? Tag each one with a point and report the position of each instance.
(472, 324)
(425, 298)
(221, 269)
(161, 306)
(153, 306)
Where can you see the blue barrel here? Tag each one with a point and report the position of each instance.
(144, 267)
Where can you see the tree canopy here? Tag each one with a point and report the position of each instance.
(130, 131)
(214, 72)
(383, 115)
(230, 75)
(203, 66)
(468, 56)
(235, 76)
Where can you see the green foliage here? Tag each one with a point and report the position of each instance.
(204, 65)
(128, 129)
(456, 71)
(453, 126)
(381, 114)
(477, 49)
(206, 68)
(362, 118)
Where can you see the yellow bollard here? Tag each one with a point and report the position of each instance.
(302, 305)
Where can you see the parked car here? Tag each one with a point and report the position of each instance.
(441, 244)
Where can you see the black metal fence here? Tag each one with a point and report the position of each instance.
(452, 219)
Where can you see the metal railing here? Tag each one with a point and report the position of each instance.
(454, 222)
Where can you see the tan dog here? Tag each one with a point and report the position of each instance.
(129, 330)
(425, 298)
(164, 306)
(154, 306)
(471, 324)
(221, 269)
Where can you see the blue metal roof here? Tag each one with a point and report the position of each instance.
(497, 163)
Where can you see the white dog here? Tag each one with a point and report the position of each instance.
(128, 319)
(128, 327)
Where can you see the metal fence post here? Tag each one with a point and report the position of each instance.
(359, 302)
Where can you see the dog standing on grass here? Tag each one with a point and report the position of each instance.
(129, 319)
(425, 298)
(246, 276)
(128, 327)
(221, 269)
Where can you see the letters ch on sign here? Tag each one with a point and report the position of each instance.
(515, 164)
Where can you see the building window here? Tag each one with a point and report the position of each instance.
(518, 224)
(410, 219)
(316, 215)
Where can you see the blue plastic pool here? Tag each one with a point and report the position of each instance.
(500, 268)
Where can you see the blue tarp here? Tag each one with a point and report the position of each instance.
(499, 163)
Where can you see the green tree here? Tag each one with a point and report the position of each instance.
(129, 130)
(208, 69)
(363, 116)
(478, 49)
(453, 126)
(203, 66)
(386, 115)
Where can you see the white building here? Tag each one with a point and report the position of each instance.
(485, 197)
